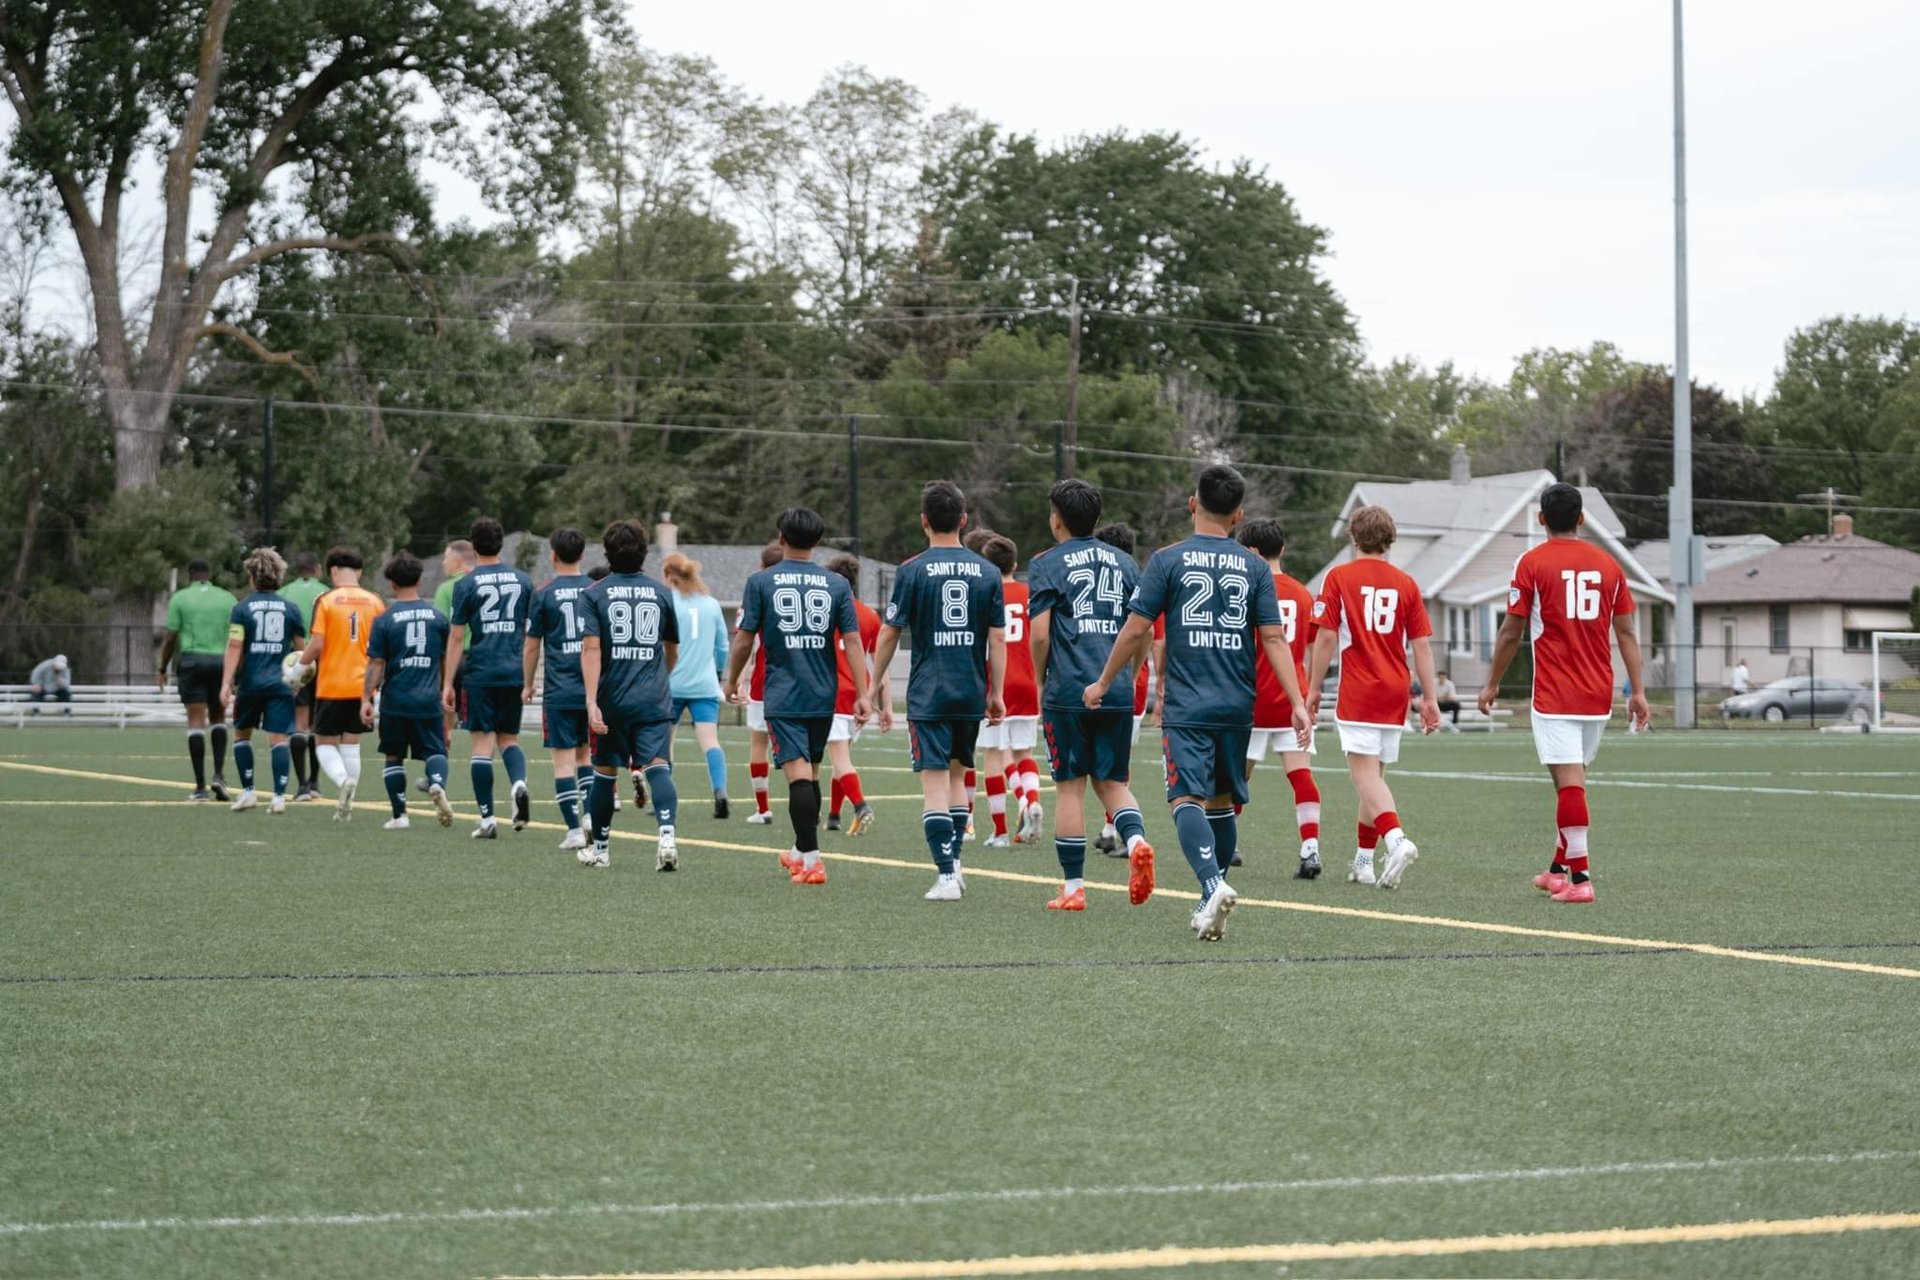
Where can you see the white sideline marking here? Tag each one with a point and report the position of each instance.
(1607, 783)
(937, 1198)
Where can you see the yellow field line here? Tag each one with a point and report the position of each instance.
(1274, 904)
(1183, 1256)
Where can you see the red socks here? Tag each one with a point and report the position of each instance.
(1369, 837)
(1387, 821)
(758, 772)
(1570, 814)
(997, 802)
(851, 785)
(1306, 803)
(839, 795)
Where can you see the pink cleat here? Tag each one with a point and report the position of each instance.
(1550, 881)
(1575, 893)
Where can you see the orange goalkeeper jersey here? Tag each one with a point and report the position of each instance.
(343, 619)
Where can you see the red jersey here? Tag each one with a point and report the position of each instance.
(757, 685)
(869, 637)
(1141, 687)
(1022, 690)
(1570, 592)
(1377, 611)
(1271, 710)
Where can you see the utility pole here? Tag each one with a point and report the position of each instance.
(266, 474)
(1828, 496)
(1067, 450)
(853, 483)
(1680, 497)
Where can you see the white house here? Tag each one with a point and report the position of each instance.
(1458, 538)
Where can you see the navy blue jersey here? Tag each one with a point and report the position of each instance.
(1215, 595)
(799, 611)
(269, 628)
(556, 621)
(492, 603)
(411, 638)
(947, 599)
(632, 615)
(1085, 585)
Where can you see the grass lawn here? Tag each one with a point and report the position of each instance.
(244, 1045)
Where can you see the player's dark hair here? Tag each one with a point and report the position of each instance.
(1078, 504)
(771, 555)
(1000, 552)
(1221, 490)
(598, 572)
(802, 527)
(568, 545)
(847, 567)
(944, 506)
(305, 563)
(403, 570)
(344, 558)
(1117, 535)
(487, 536)
(978, 537)
(626, 544)
(1265, 538)
(198, 569)
(1561, 504)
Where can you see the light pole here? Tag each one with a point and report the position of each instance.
(1680, 497)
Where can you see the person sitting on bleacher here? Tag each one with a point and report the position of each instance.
(52, 679)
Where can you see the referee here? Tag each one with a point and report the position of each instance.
(197, 620)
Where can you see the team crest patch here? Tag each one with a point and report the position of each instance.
(1513, 596)
(1319, 608)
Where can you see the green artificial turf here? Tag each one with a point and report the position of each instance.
(229, 1041)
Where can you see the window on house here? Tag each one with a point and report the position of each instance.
(1459, 630)
(1858, 641)
(1777, 629)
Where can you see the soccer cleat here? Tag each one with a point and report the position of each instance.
(423, 785)
(199, 796)
(815, 874)
(1140, 873)
(1235, 860)
(593, 856)
(343, 804)
(245, 800)
(1309, 868)
(1550, 881)
(1361, 872)
(1398, 860)
(311, 793)
(720, 807)
(486, 831)
(277, 805)
(219, 788)
(1031, 818)
(1210, 922)
(639, 791)
(666, 855)
(1064, 901)
(960, 875)
(945, 889)
(1108, 842)
(968, 833)
(790, 861)
(441, 808)
(574, 840)
(1582, 892)
(757, 819)
(522, 807)
(862, 821)
(396, 824)
(996, 842)
(833, 822)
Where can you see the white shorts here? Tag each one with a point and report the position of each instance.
(757, 716)
(1278, 741)
(1561, 740)
(844, 730)
(1015, 733)
(1381, 740)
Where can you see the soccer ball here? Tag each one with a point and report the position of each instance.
(293, 674)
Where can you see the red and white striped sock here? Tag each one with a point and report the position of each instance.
(997, 802)
(1306, 803)
(1571, 813)
(758, 771)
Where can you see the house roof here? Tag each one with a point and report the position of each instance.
(1820, 567)
(1722, 550)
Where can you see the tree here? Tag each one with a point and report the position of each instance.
(860, 154)
(1727, 469)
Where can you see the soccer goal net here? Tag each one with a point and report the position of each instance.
(1896, 681)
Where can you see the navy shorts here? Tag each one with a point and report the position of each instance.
(639, 742)
(271, 710)
(1088, 744)
(1205, 762)
(792, 738)
(563, 728)
(199, 676)
(938, 744)
(423, 737)
(492, 708)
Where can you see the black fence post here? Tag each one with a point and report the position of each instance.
(853, 483)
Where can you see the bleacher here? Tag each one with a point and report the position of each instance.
(118, 705)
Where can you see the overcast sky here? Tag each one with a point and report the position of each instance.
(1495, 174)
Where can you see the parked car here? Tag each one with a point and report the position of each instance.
(1825, 697)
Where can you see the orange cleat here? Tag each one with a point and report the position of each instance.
(1140, 873)
(816, 874)
(1575, 892)
(1550, 881)
(790, 862)
(1064, 901)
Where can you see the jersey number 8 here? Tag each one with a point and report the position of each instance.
(953, 604)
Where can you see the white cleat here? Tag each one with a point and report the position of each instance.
(593, 855)
(1361, 872)
(522, 807)
(487, 830)
(1031, 818)
(574, 840)
(946, 889)
(758, 819)
(277, 805)
(996, 842)
(960, 875)
(396, 824)
(245, 800)
(441, 808)
(1210, 921)
(666, 856)
(1398, 860)
(343, 804)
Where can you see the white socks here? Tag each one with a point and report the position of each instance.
(332, 764)
(350, 756)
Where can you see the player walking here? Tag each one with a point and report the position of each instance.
(198, 616)
(263, 629)
(758, 769)
(491, 601)
(846, 727)
(1270, 711)
(343, 621)
(553, 631)
(629, 642)
(801, 614)
(301, 593)
(404, 656)
(1567, 595)
(950, 600)
(1080, 588)
(1008, 746)
(1220, 622)
(1376, 613)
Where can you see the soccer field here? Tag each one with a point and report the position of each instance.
(236, 1044)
